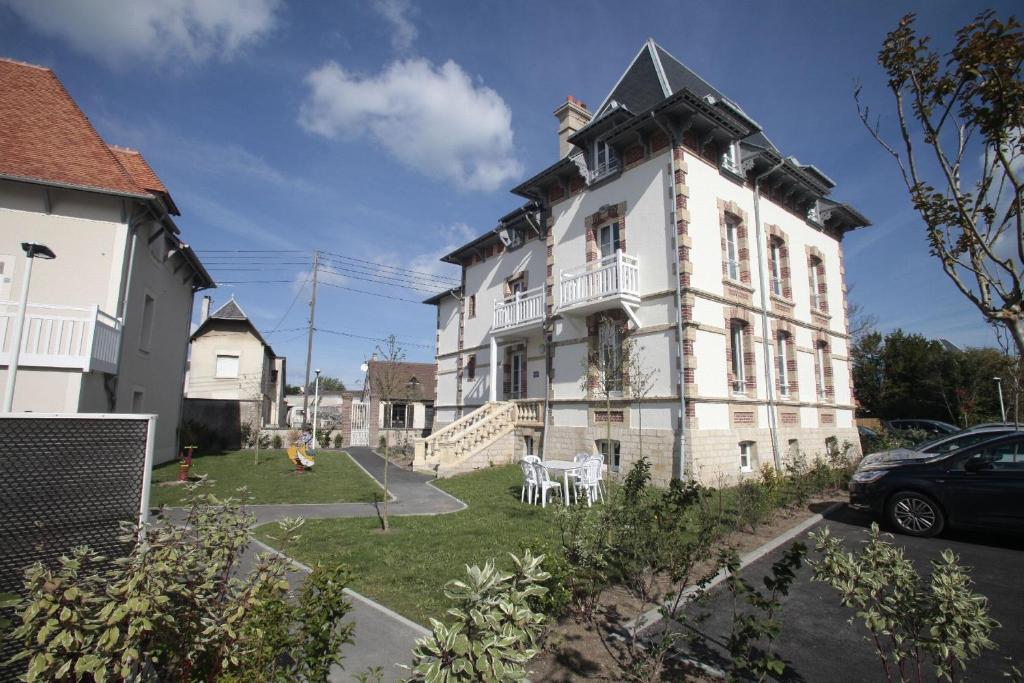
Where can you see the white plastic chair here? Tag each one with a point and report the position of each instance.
(588, 479)
(545, 484)
(529, 481)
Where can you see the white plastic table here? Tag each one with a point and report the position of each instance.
(566, 467)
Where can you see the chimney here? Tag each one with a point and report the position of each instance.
(204, 309)
(571, 116)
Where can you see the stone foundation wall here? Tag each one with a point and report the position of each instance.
(503, 451)
(713, 456)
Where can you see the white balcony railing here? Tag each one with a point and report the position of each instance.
(522, 308)
(616, 276)
(82, 337)
(604, 170)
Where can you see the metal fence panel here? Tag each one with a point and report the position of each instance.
(66, 481)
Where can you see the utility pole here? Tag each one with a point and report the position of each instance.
(309, 340)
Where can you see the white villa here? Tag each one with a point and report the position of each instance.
(669, 219)
(107, 321)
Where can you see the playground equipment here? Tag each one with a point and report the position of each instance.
(302, 459)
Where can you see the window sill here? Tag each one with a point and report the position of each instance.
(820, 313)
(779, 299)
(746, 470)
(737, 284)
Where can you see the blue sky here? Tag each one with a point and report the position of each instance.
(390, 131)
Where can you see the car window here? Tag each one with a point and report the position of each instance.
(948, 444)
(1008, 455)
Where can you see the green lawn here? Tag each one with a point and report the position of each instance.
(406, 569)
(335, 479)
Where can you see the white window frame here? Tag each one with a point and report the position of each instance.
(776, 268)
(605, 160)
(609, 344)
(783, 368)
(739, 380)
(609, 239)
(815, 284)
(528, 445)
(746, 456)
(218, 374)
(732, 250)
(612, 456)
(820, 352)
(517, 373)
(730, 158)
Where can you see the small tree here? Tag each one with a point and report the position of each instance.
(957, 108)
(606, 369)
(641, 382)
(386, 383)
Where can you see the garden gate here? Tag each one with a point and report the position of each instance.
(360, 424)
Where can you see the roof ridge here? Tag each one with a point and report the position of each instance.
(129, 150)
(19, 62)
(699, 77)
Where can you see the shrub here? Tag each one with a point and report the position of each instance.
(773, 484)
(339, 441)
(178, 607)
(797, 479)
(276, 441)
(912, 620)
(245, 435)
(753, 505)
(323, 439)
(494, 632)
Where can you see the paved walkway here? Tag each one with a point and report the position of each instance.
(382, 637)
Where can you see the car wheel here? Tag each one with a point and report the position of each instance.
(915, 514)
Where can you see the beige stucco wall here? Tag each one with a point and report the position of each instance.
(90, 235)
(253, 365)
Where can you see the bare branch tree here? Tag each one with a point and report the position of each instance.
(386, 380)
(949, 109)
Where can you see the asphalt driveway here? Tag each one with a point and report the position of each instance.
(818, 642)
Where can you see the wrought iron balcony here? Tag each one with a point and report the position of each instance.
(80, 337)
(519, 310)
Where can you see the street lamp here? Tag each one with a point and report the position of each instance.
(316, 406)
(999, 387)
(32, 252)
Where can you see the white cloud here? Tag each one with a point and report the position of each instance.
(397, 12)
(118, 32)
(432, 119)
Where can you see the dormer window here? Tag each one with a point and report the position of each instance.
(813, 214)
(605, 161)
(731, 158)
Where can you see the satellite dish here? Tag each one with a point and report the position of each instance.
(505, 236)
(364, 367)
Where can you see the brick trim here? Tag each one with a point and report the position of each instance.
(614, 213)
(735, 316)
(816, 261)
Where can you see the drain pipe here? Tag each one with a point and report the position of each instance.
(762, 285)
(681, 466)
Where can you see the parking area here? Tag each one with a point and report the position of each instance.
(819, 644)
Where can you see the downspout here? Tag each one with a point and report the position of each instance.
(681, 466)
(762, 285)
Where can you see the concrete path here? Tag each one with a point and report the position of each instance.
(412, 493)
(382, 637)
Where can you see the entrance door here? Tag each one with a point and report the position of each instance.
(360, 425)
(518, 363)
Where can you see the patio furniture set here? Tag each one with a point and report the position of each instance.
(582, 476)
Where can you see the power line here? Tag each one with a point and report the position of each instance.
(383, 280)
(376, 339)
(363, 291)
(294, 299)
(434, 276)
(358, 271)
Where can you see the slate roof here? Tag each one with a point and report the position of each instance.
(231, 311)
(424, 375)
(46, 138)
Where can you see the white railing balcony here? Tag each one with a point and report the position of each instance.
(519, 310)
(604, 170)
(80, 337)
(615, 277)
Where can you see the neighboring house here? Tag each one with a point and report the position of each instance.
(233, 369)
(108, 320)
(649, 228)
(400, 400)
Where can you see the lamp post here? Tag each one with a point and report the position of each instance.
(999, 387)
(32, 252)
(316, 406)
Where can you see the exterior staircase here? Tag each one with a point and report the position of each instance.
(478, 434)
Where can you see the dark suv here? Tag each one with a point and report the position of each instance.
(981, 485)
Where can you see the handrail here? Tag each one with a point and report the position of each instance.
(458, 424)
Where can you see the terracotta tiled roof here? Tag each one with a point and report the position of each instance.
(46, 137)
